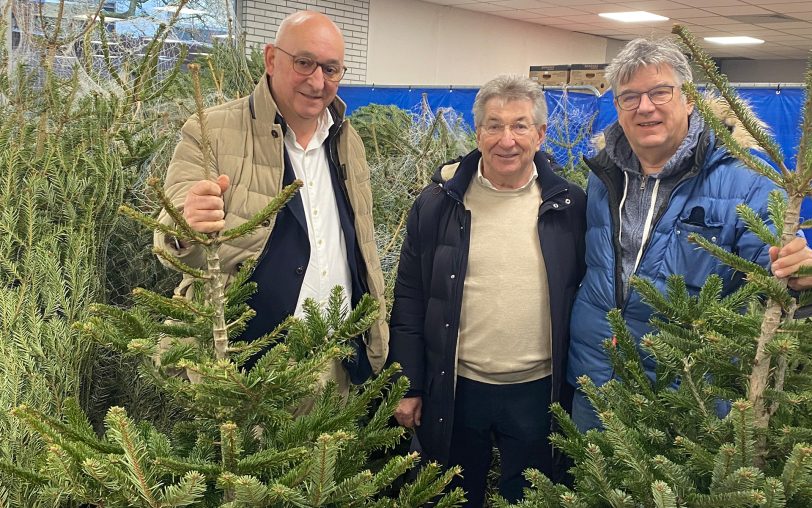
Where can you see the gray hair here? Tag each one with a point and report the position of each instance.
(642, 52)
(511, 87)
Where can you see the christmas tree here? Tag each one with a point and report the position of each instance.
(728, 420)
(264, 435)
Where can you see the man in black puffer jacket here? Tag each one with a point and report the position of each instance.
(493, 255)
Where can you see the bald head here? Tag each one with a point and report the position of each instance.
(301, 23)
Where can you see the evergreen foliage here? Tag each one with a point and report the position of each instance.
(67, 158)
(256, 425)
(728, 419)
(404, 149)
(568, 138)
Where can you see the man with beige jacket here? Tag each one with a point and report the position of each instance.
(291, 127)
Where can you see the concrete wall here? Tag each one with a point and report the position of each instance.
(418, 43)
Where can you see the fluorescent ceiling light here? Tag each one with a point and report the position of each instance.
(632, 17)
(734, 40)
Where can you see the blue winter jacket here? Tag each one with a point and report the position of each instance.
(704, 202)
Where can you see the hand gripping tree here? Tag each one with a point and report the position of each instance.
(728, 421)
(239, 439)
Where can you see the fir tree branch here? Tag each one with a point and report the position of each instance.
(723, 133)
(756, 224)
(728, 258)
(205, 143)
(189, 490)
(738, 107)
(804, 161)
(134, 454)
(269, 211)
(177, 264)
(186, 231)
(798, 469)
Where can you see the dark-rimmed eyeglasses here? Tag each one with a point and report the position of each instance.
(306, 66)
(658, 95)
(518, 129)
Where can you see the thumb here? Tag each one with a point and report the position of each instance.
(223, 182)
(773, 253)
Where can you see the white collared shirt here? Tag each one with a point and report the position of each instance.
(328, 266)
(482, 179)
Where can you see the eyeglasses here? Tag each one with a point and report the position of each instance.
(658, 95)
(307, 66)
(518, 129)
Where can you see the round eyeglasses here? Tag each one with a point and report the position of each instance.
(658, 95)
(306, 66)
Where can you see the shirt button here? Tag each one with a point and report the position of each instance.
(266, 223)
(324, 273)
(555, 205)
(299, 270)
(315, 211)
(453, 276)
(442, 373)
(440, 420)
(567, 201)
(447, 325)
(274, 134)
(713, 239)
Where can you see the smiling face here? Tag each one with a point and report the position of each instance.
(507, 158)
(654, 131)
(302, 99)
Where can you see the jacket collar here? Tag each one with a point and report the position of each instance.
(455, 176)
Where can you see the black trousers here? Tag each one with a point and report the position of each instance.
(515, 418)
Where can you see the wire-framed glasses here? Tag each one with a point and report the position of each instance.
(307, 66)
(518, 129)
(658, 95)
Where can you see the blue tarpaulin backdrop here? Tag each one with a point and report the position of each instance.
(779, 108)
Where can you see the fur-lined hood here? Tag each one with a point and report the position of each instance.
(721, 110)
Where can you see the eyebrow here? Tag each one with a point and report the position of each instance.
(650, 89)
(311, 56)
(520, 119)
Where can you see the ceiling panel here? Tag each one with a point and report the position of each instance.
(784, 40)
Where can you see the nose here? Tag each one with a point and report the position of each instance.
(507, 137)
(316, 79)
(645, 104)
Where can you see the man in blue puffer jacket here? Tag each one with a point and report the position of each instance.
(661, 176)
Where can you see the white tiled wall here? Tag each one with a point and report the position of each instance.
(260, 19)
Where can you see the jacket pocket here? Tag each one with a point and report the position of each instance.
(690, 260)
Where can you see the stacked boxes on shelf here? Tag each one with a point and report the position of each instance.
(557, 75)
(589, 75)
(575, 74)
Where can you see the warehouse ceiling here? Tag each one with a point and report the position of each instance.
(784, 25)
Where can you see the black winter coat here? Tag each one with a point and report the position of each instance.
(428, 292)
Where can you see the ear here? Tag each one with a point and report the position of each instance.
(269, 58)
(542, 131)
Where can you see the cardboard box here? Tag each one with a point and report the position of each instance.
(557, 75)
(590, 75)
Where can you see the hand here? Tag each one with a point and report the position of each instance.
(409, 411)
(203, 207)
(788, 259)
